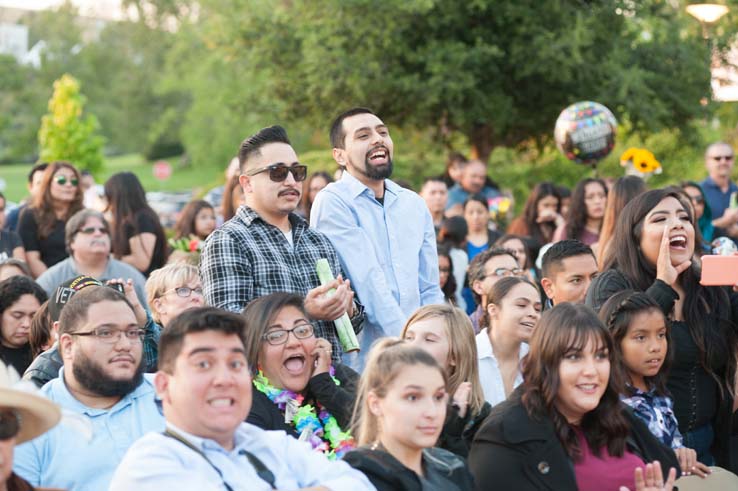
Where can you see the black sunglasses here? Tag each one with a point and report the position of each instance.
(92, 230)
(62, 180)
(278, 172)
(9, 424)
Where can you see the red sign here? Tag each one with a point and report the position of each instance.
(162, 170)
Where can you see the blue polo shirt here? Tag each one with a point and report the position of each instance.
(457, 195)
(83, 451)
(716, 198)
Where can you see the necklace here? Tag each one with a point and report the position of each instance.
(320, 427)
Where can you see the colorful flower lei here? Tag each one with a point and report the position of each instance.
(326, 436)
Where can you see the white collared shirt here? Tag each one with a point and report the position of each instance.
(157, 462)
(489, 370)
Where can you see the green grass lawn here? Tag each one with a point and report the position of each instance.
(184, 178)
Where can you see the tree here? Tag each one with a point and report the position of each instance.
(67, 134)
(497, 72)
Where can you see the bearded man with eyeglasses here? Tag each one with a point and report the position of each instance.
(266, 247)
(102, 381)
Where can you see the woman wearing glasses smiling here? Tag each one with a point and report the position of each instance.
(173, 289)
(297, 388)
(41, 226)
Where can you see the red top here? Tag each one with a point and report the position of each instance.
(604, 473)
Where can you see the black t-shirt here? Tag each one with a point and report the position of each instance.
(18, 358)
(8, 242)
(145, 224)
(52, 248)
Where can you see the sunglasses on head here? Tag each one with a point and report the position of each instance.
(62, 180)
(9, 424)
(278, 172)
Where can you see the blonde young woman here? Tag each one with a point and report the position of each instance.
(447, 334)
(398, 418)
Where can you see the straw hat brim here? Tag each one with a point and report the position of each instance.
(38, 415)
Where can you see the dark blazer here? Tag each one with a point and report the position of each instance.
(387, 473)
(337, 399)
(519, 453)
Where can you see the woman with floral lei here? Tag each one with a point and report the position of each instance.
(297, 388)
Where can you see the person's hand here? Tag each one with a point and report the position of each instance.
(665, 271)
(130, 292)
(688, 462)
(461, 397)
(653, 480)
(322, 356)
(320, 306)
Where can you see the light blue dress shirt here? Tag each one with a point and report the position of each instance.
(388, 252)
(64, 458)
(157, 462)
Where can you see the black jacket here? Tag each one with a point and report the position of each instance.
(387, 473)
(458, 433)
(613, 281)
(45, 367)
(337, 399)
(513, 451)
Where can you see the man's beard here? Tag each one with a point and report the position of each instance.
(92, 377)
(383, 171)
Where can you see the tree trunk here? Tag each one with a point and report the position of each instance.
(481, 141)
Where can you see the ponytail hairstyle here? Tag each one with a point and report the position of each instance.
(386, 361)
(462, 349)
(497, 292)
(618, 314)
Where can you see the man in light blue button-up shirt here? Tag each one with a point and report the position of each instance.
(382, 232)
(205, 388)
(102, 384)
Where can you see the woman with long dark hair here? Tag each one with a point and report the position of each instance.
(586, 212)
(137, 235)
(41, 226)
(622, 192)
(197, 221)
(541, 216)
(652, 251)
(564, 428)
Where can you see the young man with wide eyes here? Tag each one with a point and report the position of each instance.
(205, 388)
(268, 248)
(568, 268)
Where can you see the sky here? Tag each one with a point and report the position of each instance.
(96, 8)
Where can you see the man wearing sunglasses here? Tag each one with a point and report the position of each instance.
(383, 233)
(719, 187)
(267, 248)
(101, 345)
(87, 235)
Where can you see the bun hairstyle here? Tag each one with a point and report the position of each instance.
(386, 361)
(617, 314)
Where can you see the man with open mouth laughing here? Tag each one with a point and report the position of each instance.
(383, 233)
(267, 248)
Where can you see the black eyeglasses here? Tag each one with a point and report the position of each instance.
(9, 424)
(62, 180)
(697, 200)
(279, 336)
(110, 335)
(722, 157)
(92, 230)
(278, 172)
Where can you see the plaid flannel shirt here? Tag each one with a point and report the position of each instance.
(657, 411)
(248, 258)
